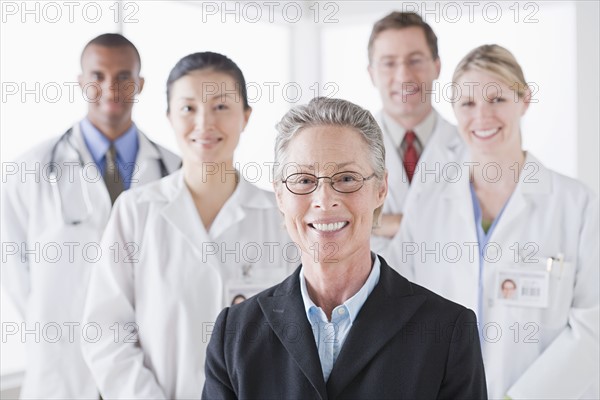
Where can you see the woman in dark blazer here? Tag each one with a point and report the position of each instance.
(345, 324)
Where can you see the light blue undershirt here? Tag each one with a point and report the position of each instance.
(127, 146)
(330, 336)
(483, 238)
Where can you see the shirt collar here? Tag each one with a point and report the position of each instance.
(127, 144)
(354, 303)
(424, 130)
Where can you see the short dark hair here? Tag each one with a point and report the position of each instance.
(112, 40)
(401, 20)
(207, 61)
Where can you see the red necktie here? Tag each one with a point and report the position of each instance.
(410, 155)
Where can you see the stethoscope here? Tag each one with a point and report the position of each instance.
(53, 177)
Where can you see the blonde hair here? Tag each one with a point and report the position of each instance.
(496, 60)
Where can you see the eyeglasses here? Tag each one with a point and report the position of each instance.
(415, 63)
(343, 182)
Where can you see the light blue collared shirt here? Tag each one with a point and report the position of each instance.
(127, 146)
(330, 336)
(483, 238)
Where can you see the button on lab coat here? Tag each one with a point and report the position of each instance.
(49, 286)
(172, 284)
(529, 352)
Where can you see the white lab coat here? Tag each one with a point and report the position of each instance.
(177, 284)
(529, 352)
(444, 146)
(50, 285)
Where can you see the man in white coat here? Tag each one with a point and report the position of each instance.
(403, 64)
(53, 218)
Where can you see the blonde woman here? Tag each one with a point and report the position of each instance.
(505, 217)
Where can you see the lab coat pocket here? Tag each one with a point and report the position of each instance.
(561, 281)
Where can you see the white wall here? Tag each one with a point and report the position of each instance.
(588, 99)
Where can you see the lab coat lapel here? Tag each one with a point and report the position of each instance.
(534, 180)
(232, 211)
(181, 213)
(397, 179)
(374, 327)
(444, 145)
(93, 178)
(459, 193)
(147, 166)
(79, 144)
(285, 310)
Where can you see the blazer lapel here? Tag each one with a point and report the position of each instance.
(387, 310)
(285, 309)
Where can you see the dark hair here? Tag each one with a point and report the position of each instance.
(112, 40)
(401, 20)
(208, 61)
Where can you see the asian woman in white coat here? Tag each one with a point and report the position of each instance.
(513, 240)
(183, 248)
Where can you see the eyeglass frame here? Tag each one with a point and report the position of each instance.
(364, 179)
(423, 59)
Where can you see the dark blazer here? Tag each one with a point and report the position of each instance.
(406, 342)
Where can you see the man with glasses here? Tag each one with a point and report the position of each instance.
(403, 64)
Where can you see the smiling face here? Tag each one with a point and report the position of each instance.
(208, 116)
(508, 289)
(327, 225)
(489, 114)
(110, 81)
(403, 71)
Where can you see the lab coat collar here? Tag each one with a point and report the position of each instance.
(147, 155)
(147, 158)
(424, 130)
(147, 150)
(79, 144)
(245, 195)
(447, 133)
(443, 132)
(181, 211)
(534, 180)
(249, 196)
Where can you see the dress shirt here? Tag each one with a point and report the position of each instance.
(423, 131)
(127, 146)
(330, 335)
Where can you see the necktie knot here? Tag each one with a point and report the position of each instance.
(409, 137)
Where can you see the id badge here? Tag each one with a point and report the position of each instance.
(523, 288)
(250, 281)
(237, 292)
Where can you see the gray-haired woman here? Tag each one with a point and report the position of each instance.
(344, 324)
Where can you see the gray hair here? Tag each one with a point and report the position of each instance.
(323, 111)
